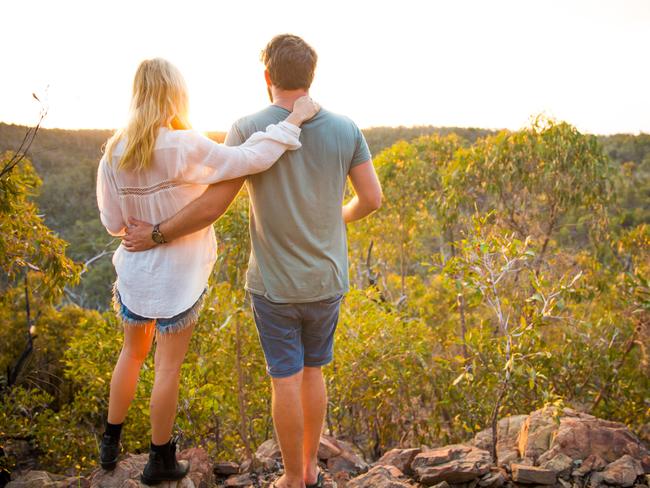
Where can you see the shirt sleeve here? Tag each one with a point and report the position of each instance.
(361, 150)
(108, 202)
(206, 162)
(234, 136)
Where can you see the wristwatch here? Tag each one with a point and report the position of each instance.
(157, 236)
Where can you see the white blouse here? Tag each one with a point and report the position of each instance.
(168, 279)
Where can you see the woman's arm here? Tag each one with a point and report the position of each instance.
(205, 162)
(110, 212)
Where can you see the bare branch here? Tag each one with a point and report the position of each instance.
(26, 143)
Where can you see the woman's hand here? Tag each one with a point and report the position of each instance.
(303, 109)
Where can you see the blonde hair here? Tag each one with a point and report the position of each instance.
(159, 99)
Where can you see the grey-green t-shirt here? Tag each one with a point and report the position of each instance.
(298, 238)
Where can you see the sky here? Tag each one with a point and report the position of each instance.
(466, 63)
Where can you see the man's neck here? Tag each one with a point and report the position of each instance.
(286, 98)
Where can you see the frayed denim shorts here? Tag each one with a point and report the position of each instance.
(165, 325)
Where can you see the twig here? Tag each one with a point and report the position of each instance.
(12, 373)
(26, 143)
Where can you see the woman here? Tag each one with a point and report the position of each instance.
(151, 169)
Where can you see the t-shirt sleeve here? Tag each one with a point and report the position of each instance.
(234, 136)
(361, 150)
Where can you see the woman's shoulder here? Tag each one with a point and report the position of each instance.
(180, 136)
(175, 139)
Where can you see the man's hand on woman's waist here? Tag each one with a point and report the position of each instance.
(138, 236)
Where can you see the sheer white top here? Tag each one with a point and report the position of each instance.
(168, 279)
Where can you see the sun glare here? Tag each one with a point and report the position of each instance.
(461, 63)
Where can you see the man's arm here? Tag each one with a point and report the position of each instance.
(198, 214)
(368, 192)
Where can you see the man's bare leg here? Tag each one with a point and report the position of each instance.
(288, 421)
(314, 407)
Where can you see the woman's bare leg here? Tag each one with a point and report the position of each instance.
(170, 353)
(137, 343)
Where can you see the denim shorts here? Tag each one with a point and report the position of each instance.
(167, 325)
(295, 335)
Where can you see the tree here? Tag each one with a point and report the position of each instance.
(31, 256)
(539, 176)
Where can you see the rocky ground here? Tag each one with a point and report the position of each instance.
(540, 450)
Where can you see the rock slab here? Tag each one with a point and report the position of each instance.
(561, 465)
(380, 477)
(457, 463)
(532, 475)
(622, 472)
(128, 470)
(400, 458)
(39, 479)
(507, 433)
(547, 432)
(225, 468)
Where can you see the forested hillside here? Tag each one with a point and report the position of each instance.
(505, 271)
(66, 160)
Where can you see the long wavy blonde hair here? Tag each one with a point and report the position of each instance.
(159, 100)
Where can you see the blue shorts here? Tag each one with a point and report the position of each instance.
(172, 324)
(295, 335)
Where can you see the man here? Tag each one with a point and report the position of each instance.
(298, 269)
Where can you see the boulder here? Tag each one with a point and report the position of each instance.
(128, 470)
(269, 449)
(328, 447)
(266, 458)
(341, 479)
(561, 465)
(493, 479)
(201, 467)
(457, 463)
(622, 472)
(225, 468)
(43, 479)
(593, 462)
(260, 464)
(532, 475)
(400, 458)
(579, 438)
(507, 433)
(347, 460)
(545, 434)
(380, 477)
(536, 433)
(243, 480)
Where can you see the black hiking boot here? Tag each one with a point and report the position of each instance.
(163, 466)
(109, 451)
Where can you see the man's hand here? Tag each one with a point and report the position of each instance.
(195, 216)
(138, 236)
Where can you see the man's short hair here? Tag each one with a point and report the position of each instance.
(290, 61)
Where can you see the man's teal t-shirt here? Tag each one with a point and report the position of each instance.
(298, 239)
